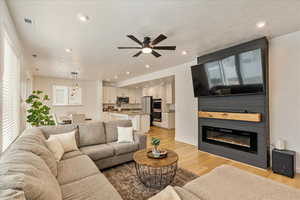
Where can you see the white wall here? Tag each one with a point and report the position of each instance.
(186, 105)
(285, 91)
(91, 96)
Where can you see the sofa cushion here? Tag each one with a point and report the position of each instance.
(111, 129)
(122, 148)
(235, 184)
(53, 130)
(95, 187)
(76, 168)
(91, 133)
(168, 193)
(33, 140)
(25, 171)
(185, 194)
(71, 154)
(12, 195)
(97, 152)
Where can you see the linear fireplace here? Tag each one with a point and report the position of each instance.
(235, 126)
(236, 139)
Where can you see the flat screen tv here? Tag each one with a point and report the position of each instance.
(237, 74)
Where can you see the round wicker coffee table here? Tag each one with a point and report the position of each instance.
(155, 173)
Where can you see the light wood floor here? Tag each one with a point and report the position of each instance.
(201, 162)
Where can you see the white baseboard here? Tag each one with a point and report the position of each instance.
(298, 170)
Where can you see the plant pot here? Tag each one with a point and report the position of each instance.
(155, 152)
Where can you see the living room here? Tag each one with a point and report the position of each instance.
(94, 63)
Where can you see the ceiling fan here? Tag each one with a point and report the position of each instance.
(148, 46)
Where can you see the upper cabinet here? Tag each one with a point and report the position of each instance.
(164, 92)
(110, 95)
(169, 93)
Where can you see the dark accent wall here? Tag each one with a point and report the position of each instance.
(246, 103)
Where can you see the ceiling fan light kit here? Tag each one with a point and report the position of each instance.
(148, 46)
(146, 50)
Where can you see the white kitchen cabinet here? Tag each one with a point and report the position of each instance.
(145, 92)
(169, 93)
(105, 95)
(122, 92)
(167, 121)
(109, 95)
(140, 122)
(138, 96)
(131, 95)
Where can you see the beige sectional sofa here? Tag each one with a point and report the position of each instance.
(230, 183)
(28, 169)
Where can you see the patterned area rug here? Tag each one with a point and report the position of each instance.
(126, 182)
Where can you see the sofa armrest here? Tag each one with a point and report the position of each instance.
(140, 139)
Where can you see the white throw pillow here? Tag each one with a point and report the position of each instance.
(55, 147)
(67, 140)
(125, 135)
(166, 194)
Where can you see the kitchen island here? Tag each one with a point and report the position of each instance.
(140, 120)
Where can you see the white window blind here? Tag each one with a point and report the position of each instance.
(10, 96)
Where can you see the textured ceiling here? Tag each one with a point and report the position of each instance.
(197, 26)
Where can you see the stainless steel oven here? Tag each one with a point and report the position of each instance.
(156, 116)
(156, 107)
(156, 104)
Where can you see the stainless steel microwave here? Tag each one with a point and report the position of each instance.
(122, 100)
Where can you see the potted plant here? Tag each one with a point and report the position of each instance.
(39, 112)
(155, 143)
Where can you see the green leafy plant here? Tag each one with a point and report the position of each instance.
(39, 112)
(155, 141)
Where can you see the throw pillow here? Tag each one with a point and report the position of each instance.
(67, 140)
(125, 135)
(55, 147)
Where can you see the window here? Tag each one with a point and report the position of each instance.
(64, 96)
(60, 95)
(10, 95)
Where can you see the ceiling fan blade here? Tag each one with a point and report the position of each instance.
(137, 54)
(135, 39)
(129, 47)
(165, 47)
(155, 54)
(160, 38)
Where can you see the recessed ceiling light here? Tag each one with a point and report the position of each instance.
(28, 20)
(183, 52)
(116, 77)
(68, 50)
(127, 73)
(82, 17)
(260, 24)
(147, 66)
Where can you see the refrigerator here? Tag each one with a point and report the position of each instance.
(147, 106)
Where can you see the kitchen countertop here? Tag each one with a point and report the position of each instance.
(129, 112)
